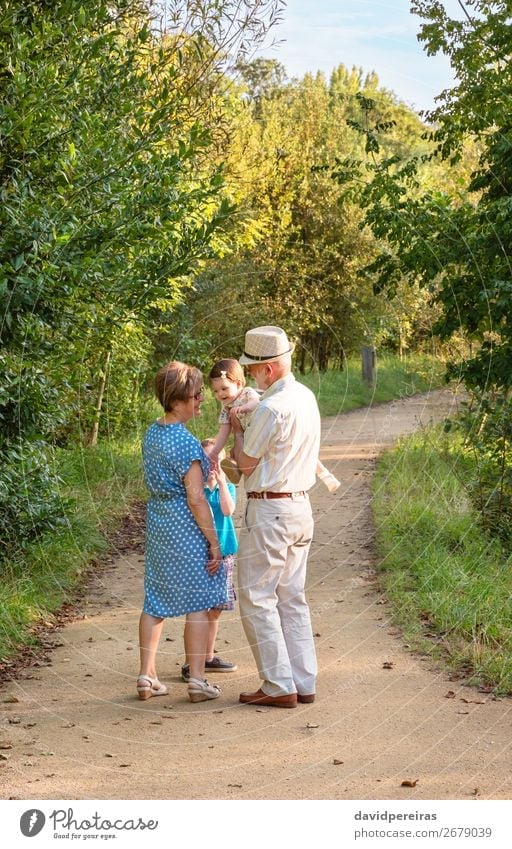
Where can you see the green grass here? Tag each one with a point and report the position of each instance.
(338, 392)
(99, 486)
(450, 585)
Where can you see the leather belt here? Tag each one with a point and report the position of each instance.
(274, 494)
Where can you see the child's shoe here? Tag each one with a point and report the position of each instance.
(231, 470)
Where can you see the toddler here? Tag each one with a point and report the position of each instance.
(221, 497)
(227, 381)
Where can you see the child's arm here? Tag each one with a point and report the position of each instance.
(226, 500)
(220, 441)
(246, 408)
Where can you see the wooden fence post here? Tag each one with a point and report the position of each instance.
(369, 364)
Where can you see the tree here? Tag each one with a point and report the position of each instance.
(109, 199)
(455, 240)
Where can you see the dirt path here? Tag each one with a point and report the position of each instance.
(75, 730)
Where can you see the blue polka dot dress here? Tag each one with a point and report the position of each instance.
(176, 581)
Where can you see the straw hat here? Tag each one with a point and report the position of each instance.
(264, 344)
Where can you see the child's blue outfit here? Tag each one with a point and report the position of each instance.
(228, 542)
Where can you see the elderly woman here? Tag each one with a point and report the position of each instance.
(183, 572)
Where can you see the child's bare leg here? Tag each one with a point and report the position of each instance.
(213, 627)
(214, 663)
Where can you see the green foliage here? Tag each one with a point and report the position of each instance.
(29, 500)
(109, 199)
(453, 239)
(455, 244)
(486, 429)
(298, 247)
(96, 488)
(450, 585)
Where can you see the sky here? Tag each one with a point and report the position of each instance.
(318, 35)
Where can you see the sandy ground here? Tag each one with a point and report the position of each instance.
(72, 728)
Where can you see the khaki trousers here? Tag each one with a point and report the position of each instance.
(272, 560)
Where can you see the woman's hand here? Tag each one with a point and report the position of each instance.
(214, 559)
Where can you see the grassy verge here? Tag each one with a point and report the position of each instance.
(338, 392)
(100, 485)
(449, 584)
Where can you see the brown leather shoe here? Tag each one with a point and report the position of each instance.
(260, 698)
(306, 700)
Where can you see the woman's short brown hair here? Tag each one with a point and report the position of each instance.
(231, 369)
(176, 382)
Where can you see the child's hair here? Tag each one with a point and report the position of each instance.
(231, 369)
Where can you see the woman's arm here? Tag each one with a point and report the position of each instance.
(201, 512)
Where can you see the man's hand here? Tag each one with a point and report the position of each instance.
(235, 421)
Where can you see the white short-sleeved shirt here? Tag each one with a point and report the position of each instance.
(284, 433)
(247, 395)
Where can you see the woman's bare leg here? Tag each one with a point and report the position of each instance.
(196, 641)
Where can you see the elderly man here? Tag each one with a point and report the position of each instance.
(278, 455)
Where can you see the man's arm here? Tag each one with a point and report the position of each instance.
(245, 463)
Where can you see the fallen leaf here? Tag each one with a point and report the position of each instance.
(312, 725)
(337, 762)
(388, 664)
(108, 755)
(450, 694)
(463, 712)
(235, 785)
(124, 764)
(472, 701)
(408, 783)
(476, 791)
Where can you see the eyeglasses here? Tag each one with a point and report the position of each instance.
(199, 396)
